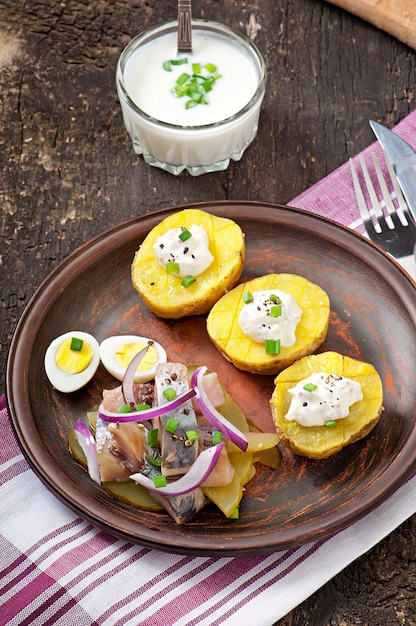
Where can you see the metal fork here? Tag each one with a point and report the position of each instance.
(393, 229)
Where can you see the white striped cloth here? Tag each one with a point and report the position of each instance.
(58, 569)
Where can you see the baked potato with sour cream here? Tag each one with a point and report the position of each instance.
(320, 442)
(163, 293)
(249, 355)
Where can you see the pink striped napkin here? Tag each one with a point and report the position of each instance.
(59, 569)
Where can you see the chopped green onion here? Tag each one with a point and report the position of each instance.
(331, 423)
(216, 437)
(185, 235)
(247, 297)
(310, 387)
(192, 435)
(172, 425)
(159, 480)
(235, 514)
(172, 267)
(210, 67)
(142, 407)
(272, 346)
(125, 408)
(193, 88)
(192, 103)
(182, 79)
(76, 344)
(169, 393)
(198, 96)
(207, 85)
(153, 437)
(276, 310)
(274, 298)
(187, 281)
(181, 90)
(194, 85)
(182, 61)
(153, 461)
(167, 65)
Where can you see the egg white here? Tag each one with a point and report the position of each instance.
(108, 349)
(71, 382)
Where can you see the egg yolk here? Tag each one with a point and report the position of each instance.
(124, 354)
(73, 361)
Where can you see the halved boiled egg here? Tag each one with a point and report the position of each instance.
(72, 360)
(117, 352)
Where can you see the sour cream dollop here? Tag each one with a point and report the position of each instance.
(191, 253)
(271, 314)
(321, 398)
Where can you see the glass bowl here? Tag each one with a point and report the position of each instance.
(202, 138)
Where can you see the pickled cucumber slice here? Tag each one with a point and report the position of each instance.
(134, 494)
(271, 457)
(243, 466)
(76, 450)
(226, 498)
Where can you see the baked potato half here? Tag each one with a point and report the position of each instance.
(320, 442)
(249, 355)
(163, 293)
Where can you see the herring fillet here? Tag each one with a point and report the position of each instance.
(177, 457)
(182, 508)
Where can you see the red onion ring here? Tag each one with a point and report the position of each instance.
(199, 471)
(87, 443)
(212, 415)
(128, 378)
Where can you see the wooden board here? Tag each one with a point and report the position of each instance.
(397, 17)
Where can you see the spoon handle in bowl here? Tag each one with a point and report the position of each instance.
(184, 26)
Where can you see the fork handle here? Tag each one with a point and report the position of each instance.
(397, 17)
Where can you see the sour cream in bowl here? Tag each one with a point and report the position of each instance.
(170, 129)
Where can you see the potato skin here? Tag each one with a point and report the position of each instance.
(164, 294)
(250, 356)
(321, 442)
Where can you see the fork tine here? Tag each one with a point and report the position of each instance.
(362, 205)
(402, 207)
(392, 218)
(372, 192)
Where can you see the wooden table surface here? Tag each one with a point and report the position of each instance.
(68, 171)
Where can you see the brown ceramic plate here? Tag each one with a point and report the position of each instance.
(373, 318)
